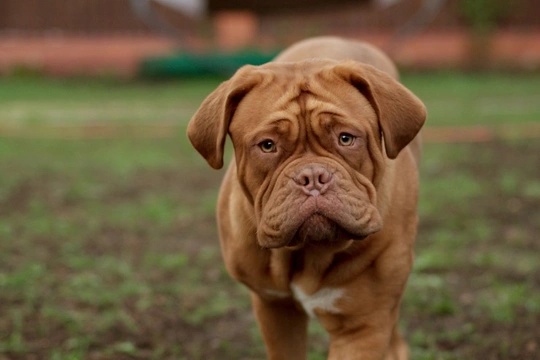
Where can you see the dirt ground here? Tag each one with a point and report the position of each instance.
(473, 296)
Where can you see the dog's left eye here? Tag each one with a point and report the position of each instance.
(267, 146)
(346, 139)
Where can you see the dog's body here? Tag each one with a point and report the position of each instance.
(317, 212)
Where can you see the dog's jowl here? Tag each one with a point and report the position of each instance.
(317, 211)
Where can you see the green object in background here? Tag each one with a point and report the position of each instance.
(189, 65)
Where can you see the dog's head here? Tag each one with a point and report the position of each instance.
(310, 141)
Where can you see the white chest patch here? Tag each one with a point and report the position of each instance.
(276, 293)
(323, 299)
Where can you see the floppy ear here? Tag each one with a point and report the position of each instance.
(401, 114)
(208, 128)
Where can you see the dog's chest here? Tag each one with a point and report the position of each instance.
(324, 299)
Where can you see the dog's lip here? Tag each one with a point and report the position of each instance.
(296, 238)
(292, 240)
(341, 234)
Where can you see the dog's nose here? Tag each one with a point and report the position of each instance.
(314, 179)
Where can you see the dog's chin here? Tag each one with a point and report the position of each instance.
(318, 229)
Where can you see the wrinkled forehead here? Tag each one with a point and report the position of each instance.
(296, 91)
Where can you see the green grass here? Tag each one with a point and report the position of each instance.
(477, 99)
(452, 99)
(108, 248)
(42, 101)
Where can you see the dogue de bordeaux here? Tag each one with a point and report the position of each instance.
(317, 212)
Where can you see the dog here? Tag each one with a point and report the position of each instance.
(317, 212)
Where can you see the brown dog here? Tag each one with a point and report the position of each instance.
(317, 211)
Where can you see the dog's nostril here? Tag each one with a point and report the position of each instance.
(313, 178)
(324, 178)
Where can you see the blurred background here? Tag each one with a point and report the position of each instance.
(108, 242)
(61, 37)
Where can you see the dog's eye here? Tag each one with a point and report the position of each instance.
(346, 139)
(267, 146)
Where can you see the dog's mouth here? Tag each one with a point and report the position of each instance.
(324, 208)
(318, 228)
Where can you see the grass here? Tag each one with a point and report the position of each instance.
(452, 99)
(44, 101)
(478, 99)
(108, 248)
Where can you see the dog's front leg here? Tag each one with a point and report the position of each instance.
(358, 346)
(283, 327)
(368, 343)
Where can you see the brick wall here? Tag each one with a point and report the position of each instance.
(115, 16)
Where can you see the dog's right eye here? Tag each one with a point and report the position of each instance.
(267, 146)
(346, 139)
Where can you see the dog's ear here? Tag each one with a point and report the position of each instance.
(401, 114)
(208, 128)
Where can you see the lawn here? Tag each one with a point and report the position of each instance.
(452, 99)
(108, 246)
